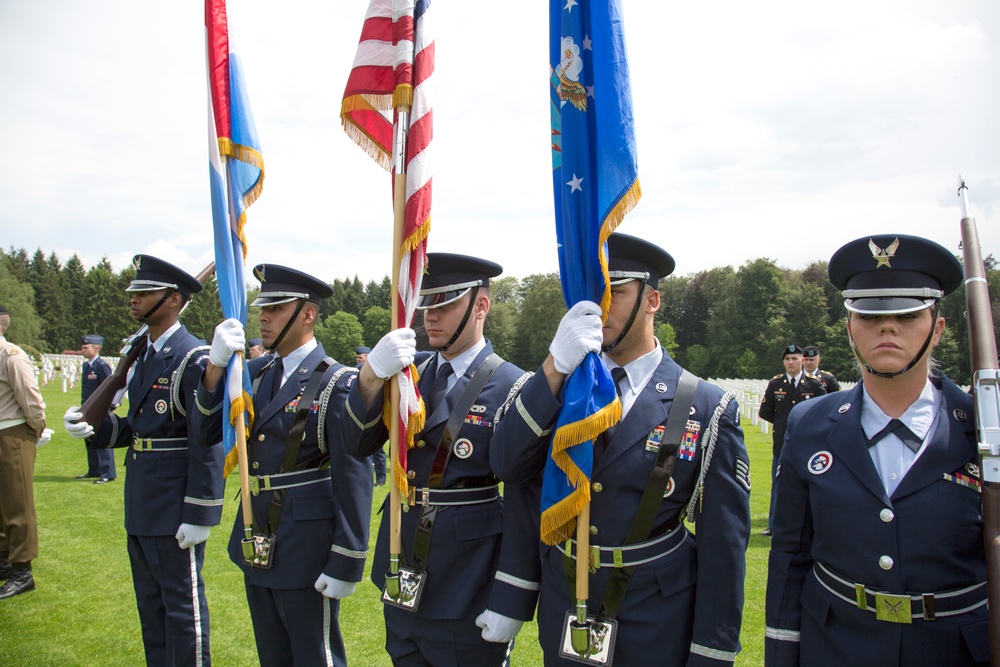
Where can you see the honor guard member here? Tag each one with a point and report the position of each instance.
(877, 555)
(95, 370)
(676, 601)
(783, 392)
(256, 348)
(315, 532)
(22, 427)
(810, 363)
(378, 458)
(173, 488)
(478, 567)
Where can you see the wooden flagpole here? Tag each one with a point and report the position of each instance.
(241, 432)
(400, 130)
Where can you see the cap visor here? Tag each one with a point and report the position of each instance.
(887, 305)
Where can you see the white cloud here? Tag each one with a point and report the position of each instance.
(780, 130)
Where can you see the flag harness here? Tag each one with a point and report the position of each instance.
(413, 579)
(603, 627)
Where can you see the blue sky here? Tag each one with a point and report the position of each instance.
(779, 129)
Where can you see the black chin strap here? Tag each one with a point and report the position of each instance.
(465, 321)
(288, 325)
(927, 342)
(631, 319)
(145, 318)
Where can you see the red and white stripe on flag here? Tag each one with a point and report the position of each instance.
(392, 68)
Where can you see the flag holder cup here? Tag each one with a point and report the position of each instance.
(591, 640)
(403, 586)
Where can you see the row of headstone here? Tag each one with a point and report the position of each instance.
(67, 367)
(750, 393)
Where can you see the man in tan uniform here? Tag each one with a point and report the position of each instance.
(22, 423)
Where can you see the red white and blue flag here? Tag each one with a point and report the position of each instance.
(235, 185)
(392, 68)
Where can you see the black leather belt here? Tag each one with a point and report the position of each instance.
(159, 444)
(901, 608)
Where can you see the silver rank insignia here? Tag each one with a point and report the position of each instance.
(882, 257)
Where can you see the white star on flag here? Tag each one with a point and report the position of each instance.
(569, 5)
(574, 184)
(587, 43)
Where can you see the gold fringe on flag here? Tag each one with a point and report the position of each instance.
(413, 241)
(381, 154)
(250, 156)
(611, 221)
(559, 521)
(414, 425)
(402, 95)
(244, 403)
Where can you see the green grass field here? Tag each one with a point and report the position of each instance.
(83, 611)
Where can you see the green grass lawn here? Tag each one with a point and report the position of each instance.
(83, 612)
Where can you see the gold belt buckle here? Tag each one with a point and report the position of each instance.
(893, 608)
(142, 445)
(254, 485)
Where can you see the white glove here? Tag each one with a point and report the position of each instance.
(334, 588)
(44, 438)
(189, 535)
(229, 338)
(76, 428)
(497, 627)
(580, 332)
(394, 352)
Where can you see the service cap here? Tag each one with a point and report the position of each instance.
(152, 273)
(631, 258)
(893, 273)
(809, 351)
(450, 276)
(93, 339)
(255, 342)
(362, 349)
(280, 284)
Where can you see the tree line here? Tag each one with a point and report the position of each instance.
(722, 322)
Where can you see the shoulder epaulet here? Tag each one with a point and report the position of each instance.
(177, 378)
(779, 375)
(324, 400)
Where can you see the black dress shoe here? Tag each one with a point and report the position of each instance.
(87, 476)
(20, 581)
(103, 480)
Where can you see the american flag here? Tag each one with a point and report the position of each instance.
(392, 68)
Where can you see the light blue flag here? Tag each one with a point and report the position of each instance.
(595, 183)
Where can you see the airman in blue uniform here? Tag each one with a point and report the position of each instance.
(877, 555)
(173, 488)
(95, 370)
(378, 458)
(309, 495)
(682, 599)
(479, 565)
